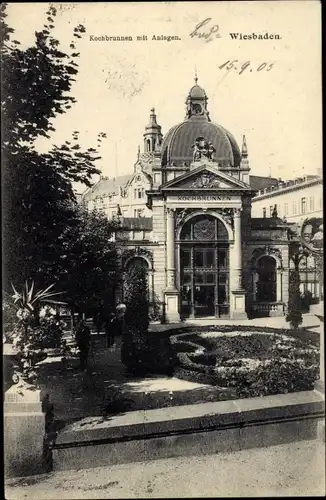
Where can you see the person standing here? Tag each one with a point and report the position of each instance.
(107, 326)
(110, 329)
(83, 340)
(98, 322)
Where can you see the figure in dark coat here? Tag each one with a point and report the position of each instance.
(110, 329)
(98, 322)
(83, 340)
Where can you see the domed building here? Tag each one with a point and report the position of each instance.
(185, 215)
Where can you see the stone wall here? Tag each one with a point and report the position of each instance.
(28, 418)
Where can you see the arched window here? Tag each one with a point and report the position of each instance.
(137, 262)
(207, 228)
(204, 268)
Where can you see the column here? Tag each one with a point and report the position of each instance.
(170, 248)
(151, 294)
(279, 275)
(171, 294)
(237, 302)
(237, 250)
(255, 279)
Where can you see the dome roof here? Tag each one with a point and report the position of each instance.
(197, 92)
(178, 142)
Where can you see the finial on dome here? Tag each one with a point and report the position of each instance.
(244, 151)
(196, 77)
(152, 120)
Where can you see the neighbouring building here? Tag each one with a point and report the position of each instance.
(297, 201)
(193, 214)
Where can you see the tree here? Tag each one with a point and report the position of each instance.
(88, 269)
(136, 298)
(294, 314)
(38, 198)
(135, 341)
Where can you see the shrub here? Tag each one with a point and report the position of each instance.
(155, 308)
(136, 299)
(205, 358)
(195, 376)
(278, 377)
(294, 315)
(9, 318)
(134, 343)
(134, 339)
(143, 353)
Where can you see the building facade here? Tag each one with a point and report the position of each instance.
(187, 214)
(297, 201)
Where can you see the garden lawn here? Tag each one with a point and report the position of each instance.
(248, 361)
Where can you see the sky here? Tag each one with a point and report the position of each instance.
(277, 107)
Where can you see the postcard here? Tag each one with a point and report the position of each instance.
(163, 249)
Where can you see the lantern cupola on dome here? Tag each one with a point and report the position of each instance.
(197, 103)
(182, 140)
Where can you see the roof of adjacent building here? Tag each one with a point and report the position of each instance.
(281, 187)
(137, 223)
(267, 222)
(258, 182)
(108, 185)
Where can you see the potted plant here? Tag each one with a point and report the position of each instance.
(35, 324)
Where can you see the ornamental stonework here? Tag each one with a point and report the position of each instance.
(266, 250)
(227, 215)
(136, 252)
(205, 180)
(181, 214)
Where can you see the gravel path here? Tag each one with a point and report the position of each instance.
(296, 469)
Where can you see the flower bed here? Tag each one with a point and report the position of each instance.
(259, 362)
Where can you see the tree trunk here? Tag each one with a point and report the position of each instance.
(72, 321)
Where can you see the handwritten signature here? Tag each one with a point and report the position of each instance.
(209, 33)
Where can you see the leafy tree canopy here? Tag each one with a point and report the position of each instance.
(88, 269)
(38, 198)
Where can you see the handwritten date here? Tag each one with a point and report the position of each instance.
(236, 66)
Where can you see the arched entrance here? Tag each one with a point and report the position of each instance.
(204, 267)
(137, 262)
(266, 284)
